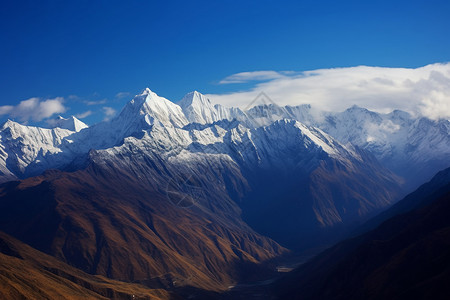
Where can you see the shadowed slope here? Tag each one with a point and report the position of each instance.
(406, 257)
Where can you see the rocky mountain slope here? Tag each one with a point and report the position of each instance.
(321, 182)
(412, 147)
(26, 273)
(105, 221)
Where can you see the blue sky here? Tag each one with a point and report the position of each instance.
(92, 56)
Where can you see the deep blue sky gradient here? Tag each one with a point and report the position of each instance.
(96, 49)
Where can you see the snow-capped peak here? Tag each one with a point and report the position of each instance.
(8, 123)
(397, 139)
(71, 123)
(146, 91)
(194, 98)
(151, 108)
(198, 108)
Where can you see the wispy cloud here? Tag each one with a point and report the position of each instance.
(34, 109)
(253, 76)
(109, 113)
(424, 90)
(97, 102)
(84, 114)
(122, 95)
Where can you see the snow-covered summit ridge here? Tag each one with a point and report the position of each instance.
(71, 123)
(199, 109)
(23, 146)
(27, 151)
(194, 98)
(396, 139)
(152, 108)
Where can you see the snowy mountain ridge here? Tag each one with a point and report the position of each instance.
(404, 144)
(71, 123)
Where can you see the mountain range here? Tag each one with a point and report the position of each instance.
(411, 147)
(204, 196)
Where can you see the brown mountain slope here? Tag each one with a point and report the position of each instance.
(105, 222)
(26, 273)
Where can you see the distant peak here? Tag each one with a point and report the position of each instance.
(140, 98)
(194, 98)
(9, 123)
(198, 109)
(400, 114)
(355, 107)
(198, 95)
(70, 123)
(147, 95)
(146, 91)
(149, 108)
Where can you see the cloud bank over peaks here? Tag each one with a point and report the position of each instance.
(34, 109)
(424, 91)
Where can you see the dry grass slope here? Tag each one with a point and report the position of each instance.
(26, 273)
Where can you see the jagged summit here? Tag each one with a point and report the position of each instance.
(146, 95)
(146, 91)
(198, 108)
(71, 123)
(400, 114)
(8, 123)
(150, 108)
(358, 109)
(194, 98)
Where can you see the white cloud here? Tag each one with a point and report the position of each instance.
(103, 101)
(109, 113)
(6, 109)
(253, 76)
(84, 115)
(34, 109)
(122, 95)
(424, 90)
(73, 97)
